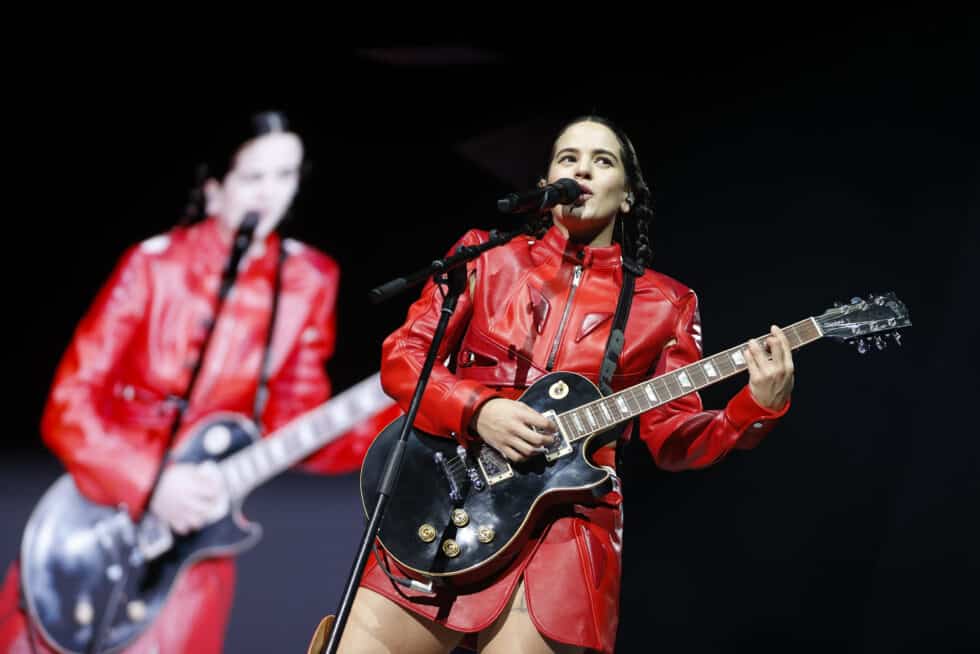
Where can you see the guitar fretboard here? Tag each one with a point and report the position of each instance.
(624, 405)
(257, 463)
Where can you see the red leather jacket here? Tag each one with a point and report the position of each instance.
(110, 409)
(113, 395)
(535, 306)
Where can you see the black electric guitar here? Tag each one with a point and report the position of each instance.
(459, 514)
(82, 561)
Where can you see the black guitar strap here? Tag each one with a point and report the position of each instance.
(614, 346)
(262, 392)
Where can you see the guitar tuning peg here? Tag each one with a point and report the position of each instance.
(856, 300)
(880, 343)
(838, 305)
(862, 345)
(898, 338)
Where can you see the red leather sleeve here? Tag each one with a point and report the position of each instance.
(302, 384)
(449, 403)
(682, 435)
(110, 464)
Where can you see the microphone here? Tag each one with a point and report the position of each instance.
(243, 238)
(564, 191)
(246, 229)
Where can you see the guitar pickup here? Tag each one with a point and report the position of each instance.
(560, 447)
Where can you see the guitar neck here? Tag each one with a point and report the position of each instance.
(626, 404)
(254, 465)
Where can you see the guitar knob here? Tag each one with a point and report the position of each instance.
(460, 518)
(450, 548)
(427, 533)
(136, 610)
(485, 534)
(84, 612)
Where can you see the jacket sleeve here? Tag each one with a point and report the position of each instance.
(681, 434)
(111, 461)
(301, 383)
(448, 403)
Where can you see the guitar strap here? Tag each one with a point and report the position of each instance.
(614, 346)
(261, 393)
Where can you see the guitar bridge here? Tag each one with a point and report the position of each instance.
(450, 468)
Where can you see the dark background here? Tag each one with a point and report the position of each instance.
(793, 167)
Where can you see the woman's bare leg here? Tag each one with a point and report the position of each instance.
(379, 626)
(515, 633)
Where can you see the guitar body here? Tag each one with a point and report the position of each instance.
(419, 519)
(74, 550)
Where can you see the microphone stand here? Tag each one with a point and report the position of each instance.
(451, 273)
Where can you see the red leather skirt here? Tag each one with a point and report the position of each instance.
(571, 569)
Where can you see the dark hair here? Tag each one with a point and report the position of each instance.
(220, 149)
(632, 229)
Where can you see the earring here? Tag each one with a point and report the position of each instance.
(628, 203)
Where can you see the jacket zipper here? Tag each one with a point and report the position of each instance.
(576, 278)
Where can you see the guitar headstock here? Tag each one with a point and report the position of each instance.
(866, 323)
